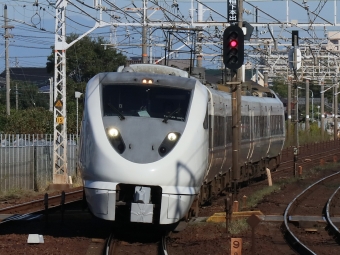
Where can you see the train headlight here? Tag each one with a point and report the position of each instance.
(113, 132)
(147, 81)
(168, 143)
(172, 136)
(115, 139)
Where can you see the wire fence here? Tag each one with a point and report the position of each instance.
(26, 160)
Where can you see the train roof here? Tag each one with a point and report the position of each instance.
(151, 68)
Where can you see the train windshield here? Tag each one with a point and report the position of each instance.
(146, 101)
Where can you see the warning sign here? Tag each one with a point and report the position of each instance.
(58, 104)
(60, 120)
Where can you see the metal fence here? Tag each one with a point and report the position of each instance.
(26, 161)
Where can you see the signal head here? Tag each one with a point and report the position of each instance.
(233, 43)
(233, 47)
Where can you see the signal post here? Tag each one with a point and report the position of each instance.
(233, 58)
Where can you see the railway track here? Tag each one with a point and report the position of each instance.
(310, 155)
(331, 206)
(115, 246)
(312, 216)
(41, 205)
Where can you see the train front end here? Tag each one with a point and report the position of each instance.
(143, 149)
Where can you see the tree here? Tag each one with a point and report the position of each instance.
(84, 59)
(88, 57)
(280, 87)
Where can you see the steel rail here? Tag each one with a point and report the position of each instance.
(333, 229)
(108, 249)
(296, 242)
(164, 250)
(112, 244)
(39, 205)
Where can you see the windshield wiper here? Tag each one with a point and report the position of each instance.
(165, 120)
(120, 115)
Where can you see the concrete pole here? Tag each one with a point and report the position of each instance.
(144, 36)
(265, 74)
(16, 97)
(307, 106)
(236, 118)
(322, 110)
(335, 108)
(8, 85)
(296, 116)
(200, 35)
(289, 110)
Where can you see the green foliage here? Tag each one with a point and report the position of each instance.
(280, 87)
(85, 59)
(88, 57)
(29, 121)
(238, 226)
(312, 136)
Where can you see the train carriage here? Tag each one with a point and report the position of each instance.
(153, 139)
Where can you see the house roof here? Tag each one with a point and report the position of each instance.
(34, 75)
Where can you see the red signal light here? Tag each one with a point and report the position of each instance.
(233, 43)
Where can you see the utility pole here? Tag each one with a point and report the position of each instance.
(239, 76)
(233, 58)
(16, 97)
(200, 34)
(144, 36)
(296, 66)
(8, 85)
(322, 109)
(265, 76)
(296, 148)
(307, 106)
(335, 100)
(289, 110)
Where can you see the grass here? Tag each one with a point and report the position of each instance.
(17, 194)
(314, 135)
(41, 188)
(238, 226)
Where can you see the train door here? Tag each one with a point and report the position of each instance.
(251, 134)
(269, 133)
(210, 118)
(216, 135)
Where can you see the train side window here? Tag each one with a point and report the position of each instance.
(245, 127)
(205, 122)
(210, 119)
(229, 128)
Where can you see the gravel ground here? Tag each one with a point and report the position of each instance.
(77, 233)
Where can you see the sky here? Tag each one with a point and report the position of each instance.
(34, 25)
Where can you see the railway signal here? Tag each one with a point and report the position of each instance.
(233, 47)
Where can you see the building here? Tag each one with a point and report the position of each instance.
(30, 75)
(333, 41)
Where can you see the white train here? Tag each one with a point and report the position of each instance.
(153, 139)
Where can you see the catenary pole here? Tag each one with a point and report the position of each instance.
(8, 81)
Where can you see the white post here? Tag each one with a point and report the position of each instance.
(312, 106)
(51, 94)
(77, 95)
